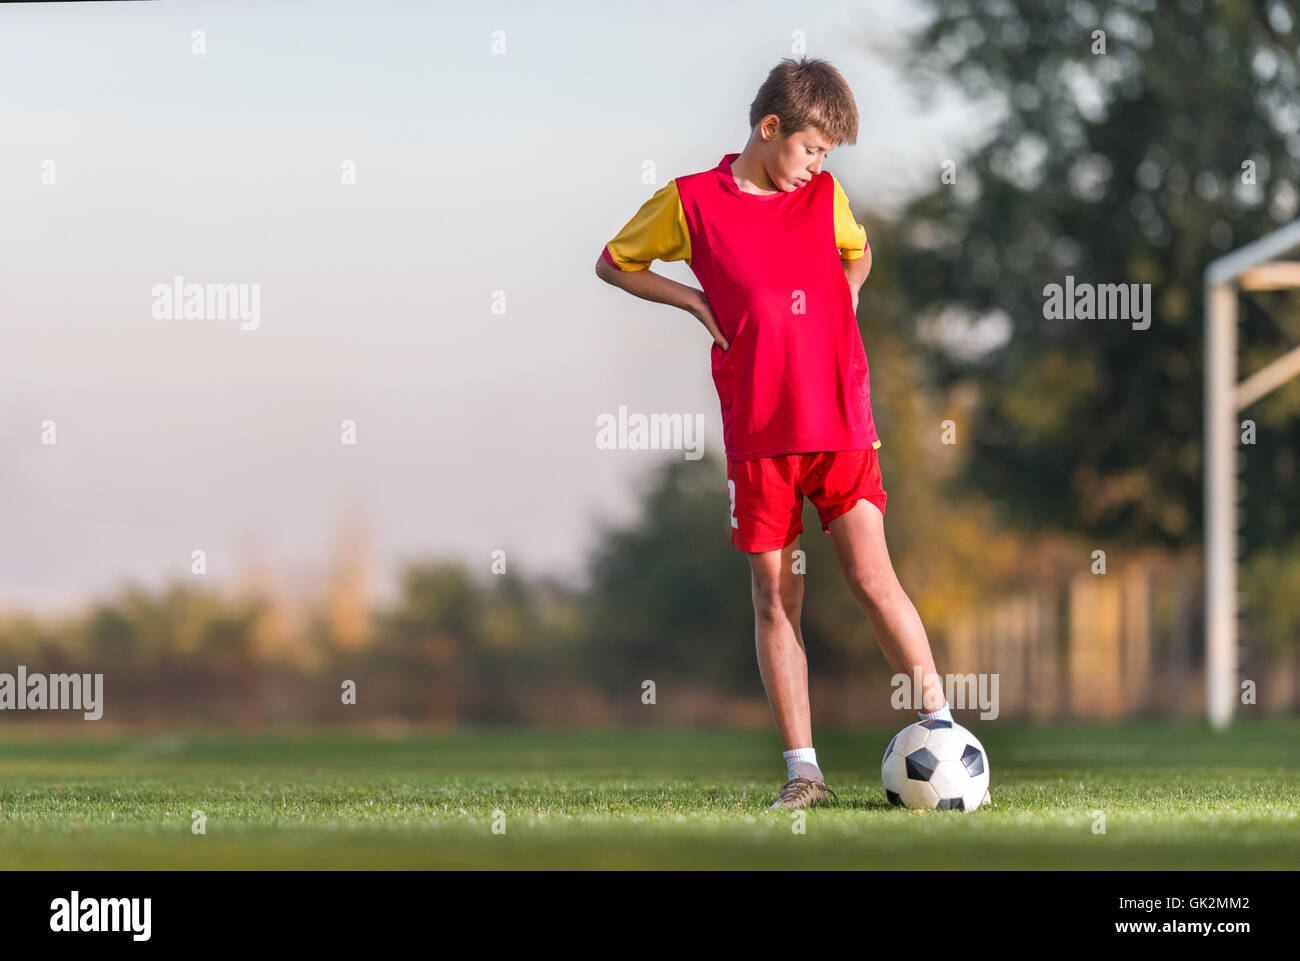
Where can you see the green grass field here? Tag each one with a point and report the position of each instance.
(1173, 797)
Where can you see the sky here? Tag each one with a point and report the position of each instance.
(444, 301)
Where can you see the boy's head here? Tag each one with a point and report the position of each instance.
(802, 111)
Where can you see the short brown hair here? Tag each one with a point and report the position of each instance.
(807, 93)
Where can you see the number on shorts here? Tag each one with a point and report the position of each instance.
(731, 486)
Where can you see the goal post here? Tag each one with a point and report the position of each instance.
(1252, 267)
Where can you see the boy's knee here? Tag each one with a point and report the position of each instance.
(872, 587)
(773, 602)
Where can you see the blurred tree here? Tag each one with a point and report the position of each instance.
(346, 614)
(230, 644)
(669, 595)
(438, 613)
(1139, 164)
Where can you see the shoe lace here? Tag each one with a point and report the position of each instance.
(796, 786)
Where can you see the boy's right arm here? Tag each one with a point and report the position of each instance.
(648, 285)
(658, 231)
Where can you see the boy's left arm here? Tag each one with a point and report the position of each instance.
(851, 238)
(855, 272)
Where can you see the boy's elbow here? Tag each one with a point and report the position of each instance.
(604, 271)
(862, 266)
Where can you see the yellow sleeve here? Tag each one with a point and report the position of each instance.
(657, 232)
(850, 236)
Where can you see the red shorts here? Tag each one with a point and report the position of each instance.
(767, 493)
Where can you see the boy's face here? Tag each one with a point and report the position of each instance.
(791, 161)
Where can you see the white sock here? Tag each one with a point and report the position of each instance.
(802, 762)
(942, 714)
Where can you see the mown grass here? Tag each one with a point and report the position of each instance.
(1172, 796)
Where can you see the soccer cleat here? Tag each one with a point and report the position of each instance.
(802, 791)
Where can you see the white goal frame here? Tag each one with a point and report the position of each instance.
(1252, 267)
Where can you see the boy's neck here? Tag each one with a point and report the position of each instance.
(750, 174)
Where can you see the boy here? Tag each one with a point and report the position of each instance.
(773, 242)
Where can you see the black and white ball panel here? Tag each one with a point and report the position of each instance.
(935, 764)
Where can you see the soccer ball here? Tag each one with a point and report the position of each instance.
(935, 764)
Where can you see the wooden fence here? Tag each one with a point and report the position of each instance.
(1128, 643)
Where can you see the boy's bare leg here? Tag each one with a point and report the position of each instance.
(859, 538)
(778, 601)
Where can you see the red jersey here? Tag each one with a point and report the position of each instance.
(795, 378)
